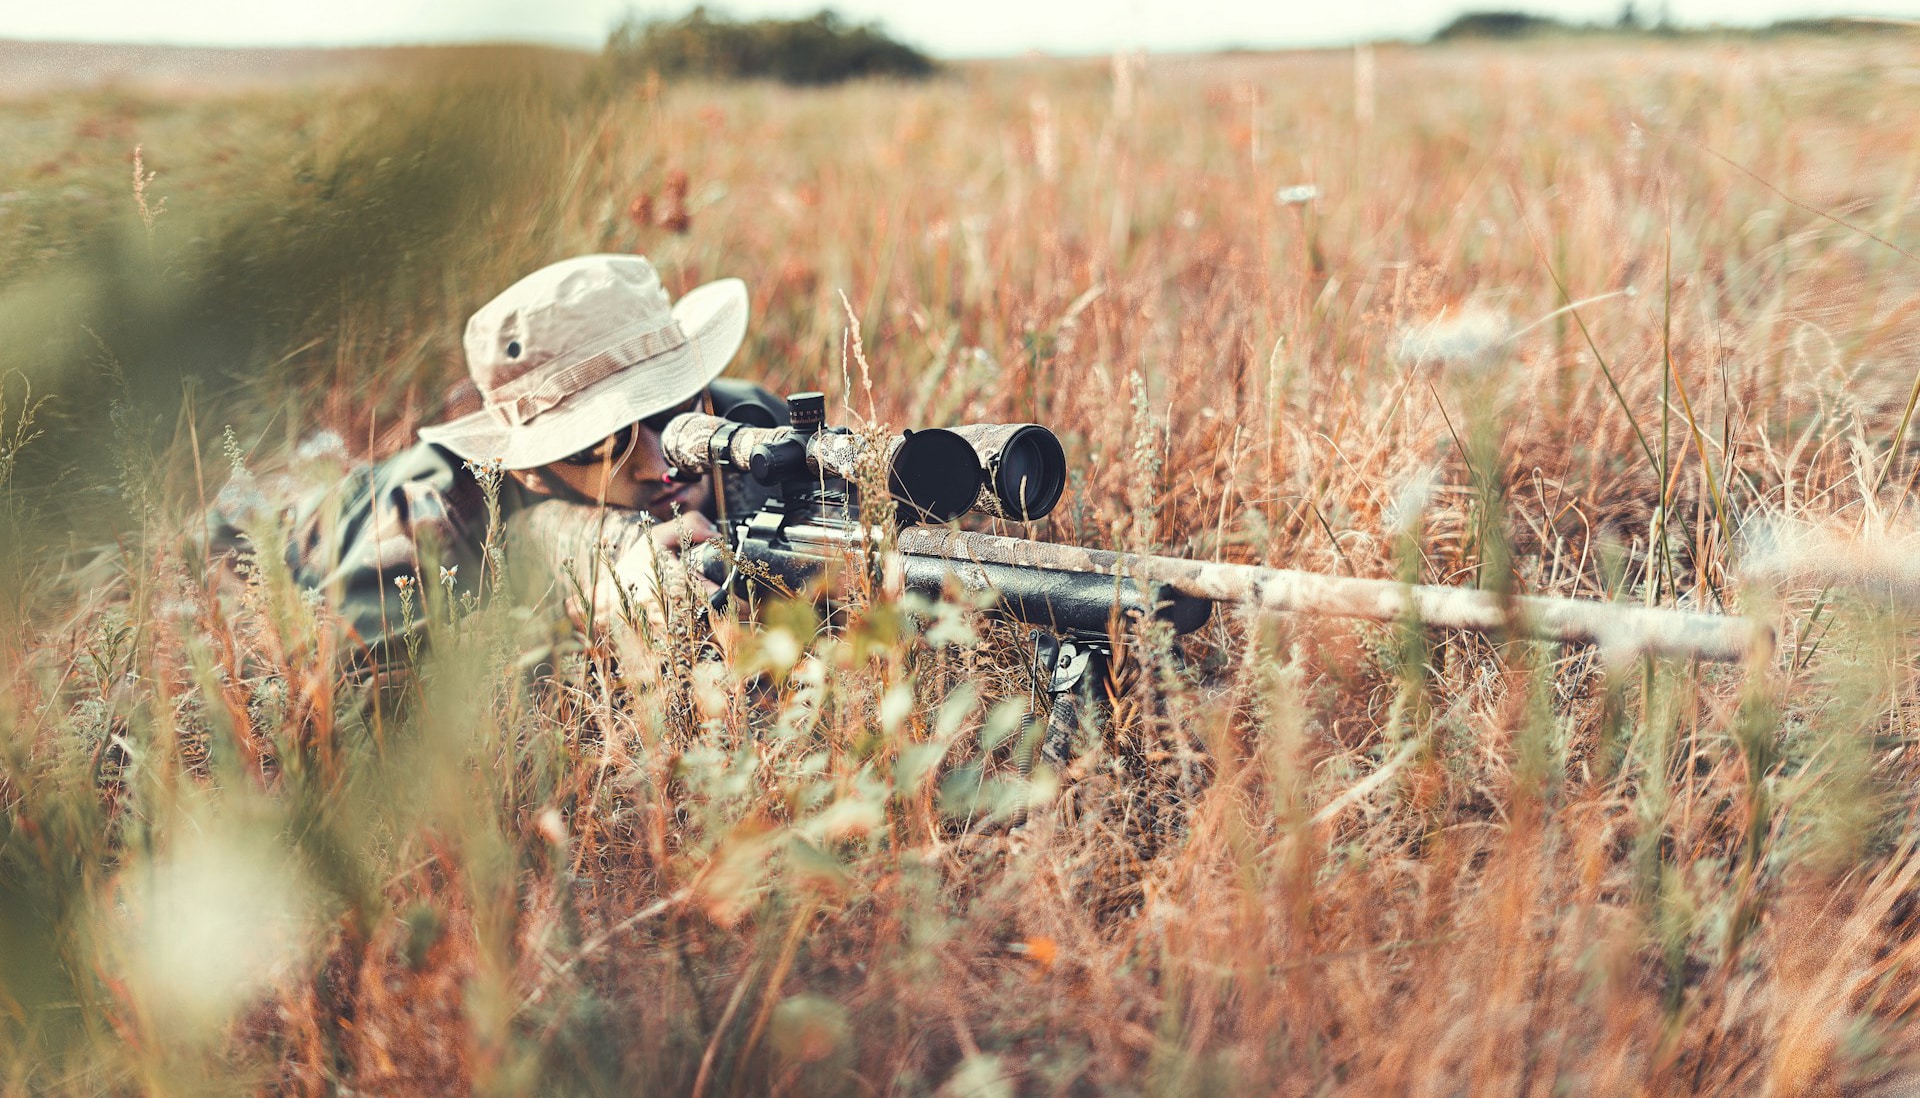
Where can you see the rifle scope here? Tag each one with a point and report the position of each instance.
(1010, 470)
(1026, 469)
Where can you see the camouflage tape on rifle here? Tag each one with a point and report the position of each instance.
(690, 442)
(1618, 629)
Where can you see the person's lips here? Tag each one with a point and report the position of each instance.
(680, 494)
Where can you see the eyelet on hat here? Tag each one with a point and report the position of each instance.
(513, 349)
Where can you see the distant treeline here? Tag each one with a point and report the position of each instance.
(1520, 24)
(820, 49)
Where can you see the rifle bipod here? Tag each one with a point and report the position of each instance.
(1072, 674)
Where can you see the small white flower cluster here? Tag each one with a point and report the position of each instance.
(1410, 503)
(241, 498)
(491, 469)
(1465, 337)
(321, 444)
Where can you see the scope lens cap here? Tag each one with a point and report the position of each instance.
(936, 475)
(1031, 474)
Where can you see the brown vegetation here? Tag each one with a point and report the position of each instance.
(1303, 310)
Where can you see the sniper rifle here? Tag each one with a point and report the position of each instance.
(1070, 595)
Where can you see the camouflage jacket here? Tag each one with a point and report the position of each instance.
(422, 514)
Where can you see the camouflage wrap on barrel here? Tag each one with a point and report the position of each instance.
(1618, 629)
(844, 455)
(688, 441)
(688, 444)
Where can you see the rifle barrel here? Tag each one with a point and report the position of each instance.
(1615, 627)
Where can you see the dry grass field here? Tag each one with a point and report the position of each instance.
(1305, 310)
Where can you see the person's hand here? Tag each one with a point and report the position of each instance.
(649, 568)
(684, 531)
(680, 533)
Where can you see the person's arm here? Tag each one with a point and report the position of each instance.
(617, 570)
(409, 517)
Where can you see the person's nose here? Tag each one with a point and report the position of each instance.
(649, 460)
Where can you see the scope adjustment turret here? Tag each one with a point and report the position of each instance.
(807, 412)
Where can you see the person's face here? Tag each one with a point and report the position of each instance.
(635, 479)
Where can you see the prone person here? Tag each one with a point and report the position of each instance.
(578, 367)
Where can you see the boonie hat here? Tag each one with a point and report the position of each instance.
(579, 349)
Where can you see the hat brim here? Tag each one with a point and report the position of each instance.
(714, 318)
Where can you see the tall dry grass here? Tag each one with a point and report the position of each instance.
(1303, 857)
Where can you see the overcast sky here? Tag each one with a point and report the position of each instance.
(949, 28)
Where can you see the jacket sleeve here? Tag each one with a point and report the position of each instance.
(410, 516)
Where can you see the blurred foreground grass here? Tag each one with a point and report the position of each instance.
(1301, 310)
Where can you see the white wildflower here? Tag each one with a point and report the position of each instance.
(1879, 558)
(321, 445)
(205, 925)
(241, 499)
(1403, 513)
(1466, 337)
